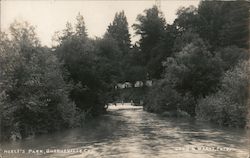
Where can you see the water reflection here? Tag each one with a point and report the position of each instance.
(132, 133)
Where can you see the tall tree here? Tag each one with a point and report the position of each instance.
(218, 22)
(150, 28)
(78, 54)
(118, 30)
(80, 26)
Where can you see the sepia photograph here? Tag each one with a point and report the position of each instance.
(124, 79)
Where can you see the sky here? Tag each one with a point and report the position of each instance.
(49, 16)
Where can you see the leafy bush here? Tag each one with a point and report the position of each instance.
(229, 105)
(162, 97)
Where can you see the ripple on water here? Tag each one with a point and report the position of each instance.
(132, 133)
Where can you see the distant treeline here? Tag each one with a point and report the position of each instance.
(198, 65)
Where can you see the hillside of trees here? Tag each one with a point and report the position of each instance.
(198, 65)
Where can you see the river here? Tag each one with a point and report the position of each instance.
(128, 132)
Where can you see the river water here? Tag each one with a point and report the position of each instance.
(128, 132)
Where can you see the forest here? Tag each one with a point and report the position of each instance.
(198, 65)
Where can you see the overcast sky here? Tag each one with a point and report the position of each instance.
(51, 15)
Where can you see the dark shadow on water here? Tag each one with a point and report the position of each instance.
(122, 133)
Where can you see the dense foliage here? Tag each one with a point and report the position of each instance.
(228, 105)
(35, 96)
(206, 74)
(198, 66)
(77, 53)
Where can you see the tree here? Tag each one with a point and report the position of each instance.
(228, 106)
(151, 28)
(219, 23)
(187, 19)
(162, 50)
(22, 33)
(83, 61)
(231, 55)
(131, 69)
(80, 26)
(118, 30)
(35, 95)
(185, 38)
(163, 97)
(7, 60)
(110, 59)
(190, 74)
(225, 23)
(235, 30)
(200, 70)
